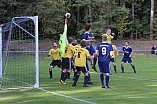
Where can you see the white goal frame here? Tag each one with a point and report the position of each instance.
(35, 19)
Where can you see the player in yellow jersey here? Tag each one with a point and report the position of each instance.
(112, 59)
(55, 53)
(109, 35)
(76, 47)
(79, 58)
(66, 61)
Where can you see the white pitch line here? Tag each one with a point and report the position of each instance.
(67, 96)
(124, 98)
(127, 77)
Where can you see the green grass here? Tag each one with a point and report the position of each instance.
(127, 88)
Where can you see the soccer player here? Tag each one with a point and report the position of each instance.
(55, 53)
(76, 47)
(80, 63)
(109, 35)
(66, 61)
(127, 50)
(87, 36)
(63, 39)
(112, 59)
(105, 51)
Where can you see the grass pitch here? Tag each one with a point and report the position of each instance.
(127, 88)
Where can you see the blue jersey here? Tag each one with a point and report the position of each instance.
(87, 36)
(127, 51)
(104, 52)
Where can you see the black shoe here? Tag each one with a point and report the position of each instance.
(103, 86)
(74, 85)
(107, 87)
(50, 77)
(110, 74)
(94, 69)
(85, 86)
(90, 83)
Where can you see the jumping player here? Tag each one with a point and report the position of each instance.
(127, 50)
(109, 35)
(105, 51)
(55, 53)
(87, 36)
(80, 63)
(66, 61)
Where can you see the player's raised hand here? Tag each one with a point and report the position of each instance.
(112, 33)
(66, 20)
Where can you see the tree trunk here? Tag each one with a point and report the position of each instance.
(132, 31)
(151, 20)
(78, 20)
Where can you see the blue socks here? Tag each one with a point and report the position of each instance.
(107, 80)
(85, 80)
(95, 60)
(102, 79)
(122, 68)
(89, 76)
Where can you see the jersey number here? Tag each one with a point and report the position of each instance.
(79, 54)
(104, 51)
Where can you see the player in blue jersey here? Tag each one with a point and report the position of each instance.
(105, 51)
(87, 36)
(127, 50)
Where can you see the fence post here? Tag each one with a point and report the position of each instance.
(147, 53)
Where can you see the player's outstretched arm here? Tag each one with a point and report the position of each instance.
(131, 54)
(49, 55)
(95, 54)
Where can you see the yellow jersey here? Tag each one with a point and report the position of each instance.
(69, 51)
(76, 47)
(109, 38)
(81, 56)
(55, 54)
(114, 49)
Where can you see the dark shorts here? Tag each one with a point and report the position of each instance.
(66, 63)
(56, 62)
(127, 59)
(112, 59)
(105, 68)
(83, 69)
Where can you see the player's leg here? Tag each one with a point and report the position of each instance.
(63, 69)
(107, 72)
(101, 74)
(114, 65)
(131, 63)
(89, 78)
(85, 71)
(77, 76)
(122, 67)
(92, 50)
(50, 72)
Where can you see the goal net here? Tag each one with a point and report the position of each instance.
(19, 66)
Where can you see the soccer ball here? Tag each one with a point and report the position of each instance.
(67, 15)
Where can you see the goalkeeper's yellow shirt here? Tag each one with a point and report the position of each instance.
(55, 54)
(76, 47)
(69, 51)
(114, 49)
(81, 55)
(109, 38)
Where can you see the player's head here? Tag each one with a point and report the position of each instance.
(126, 43)
(88, 43)
(70, 40)
(83, 44)
(54, 45)
(108, 31)
(59, 35)
(104, 38)
(88, 28)
(78, 41)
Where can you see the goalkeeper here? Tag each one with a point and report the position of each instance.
(63, 39)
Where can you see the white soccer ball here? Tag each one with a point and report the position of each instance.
(67, 15)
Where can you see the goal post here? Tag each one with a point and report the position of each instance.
(19, 58)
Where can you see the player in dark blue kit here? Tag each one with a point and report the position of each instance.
(105, 51)
(87, 36)
(127, 56)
